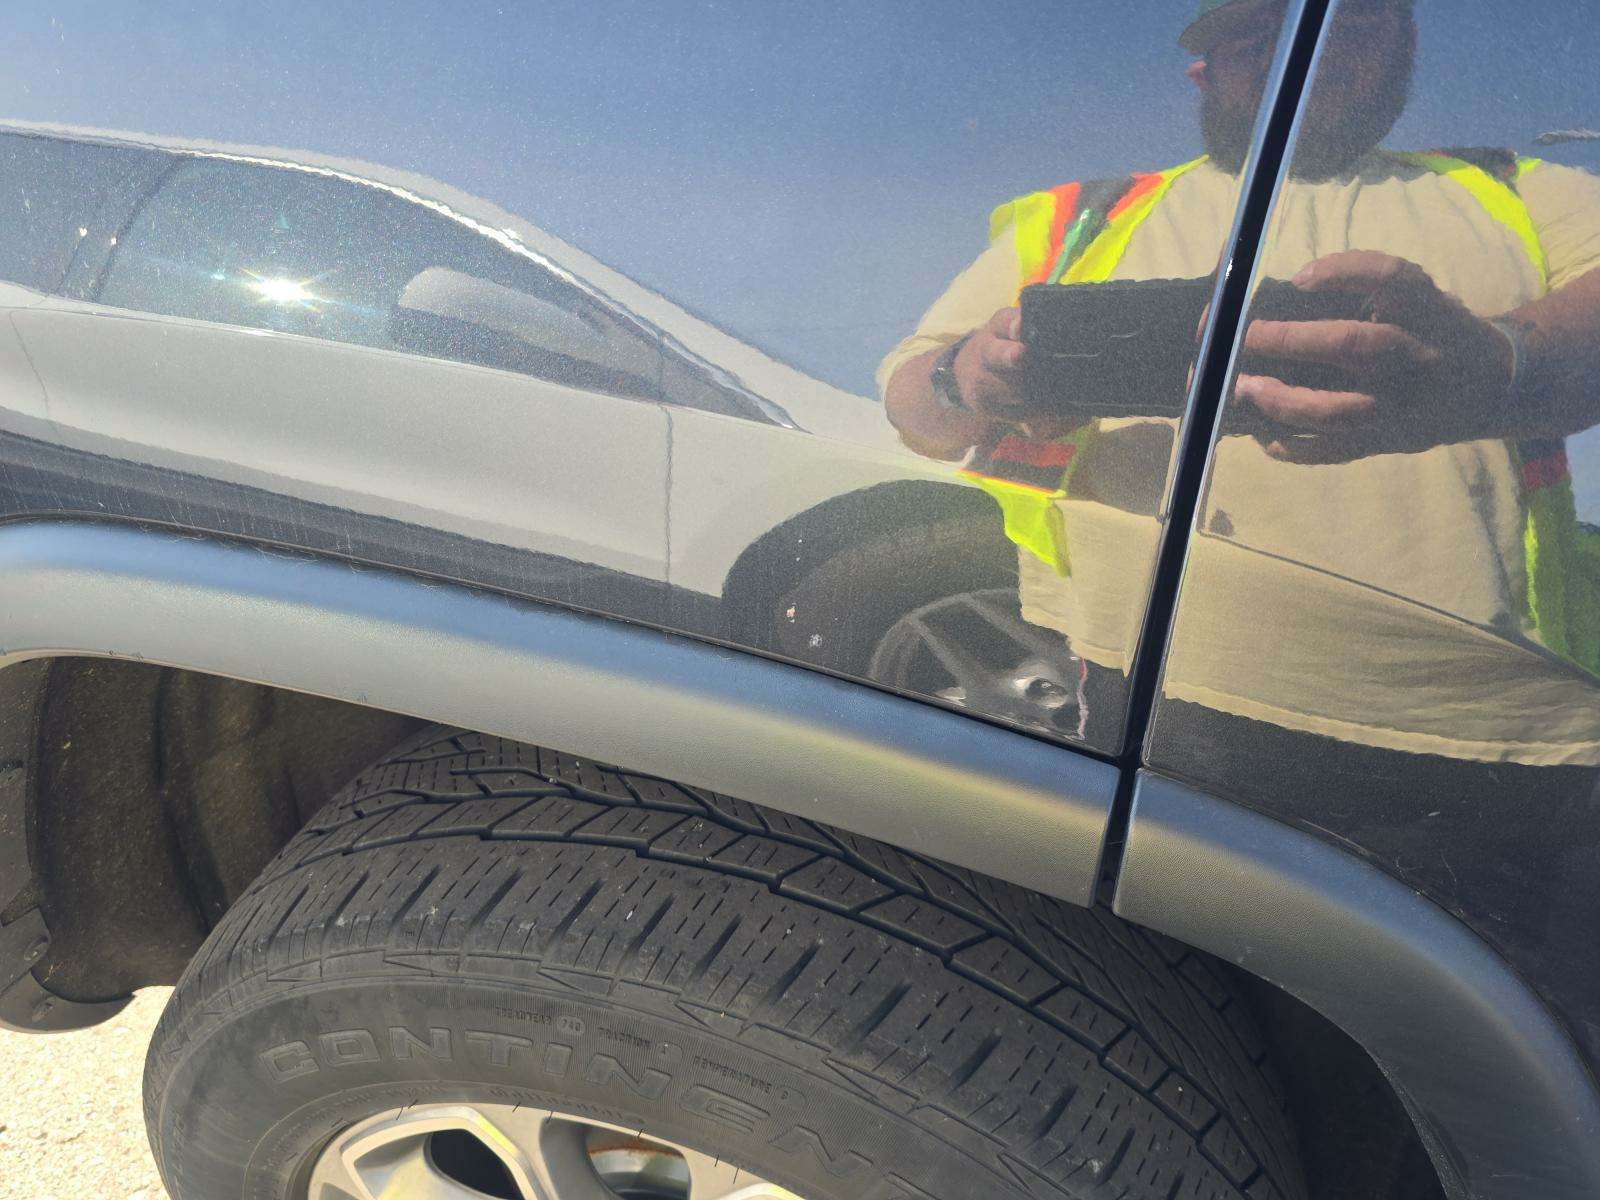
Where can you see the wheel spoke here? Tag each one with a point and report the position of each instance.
(546, 1156)
(964, 668)
(411, 1175)
(555, 1170)
(332, 1180)
(712, 1179)
(388, 1158)
(976, 650)
(1004, 619)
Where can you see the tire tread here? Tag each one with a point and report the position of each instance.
(1172, 1077)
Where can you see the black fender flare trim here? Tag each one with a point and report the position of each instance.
(847, 754)
(1499, 1092)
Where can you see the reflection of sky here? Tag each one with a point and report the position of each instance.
(809, 179)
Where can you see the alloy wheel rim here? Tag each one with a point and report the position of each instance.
(975, 650)
(469, 1151)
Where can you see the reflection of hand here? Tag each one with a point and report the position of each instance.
(989, 371)
(1424, 371)
(989, 367)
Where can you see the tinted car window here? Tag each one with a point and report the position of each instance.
(51, 192)
(304, 253)
(1389, 627)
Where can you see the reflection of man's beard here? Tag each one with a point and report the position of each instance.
(1326, 149)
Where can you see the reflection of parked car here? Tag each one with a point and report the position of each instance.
(413, 284)
(330, 496)
(256, 279)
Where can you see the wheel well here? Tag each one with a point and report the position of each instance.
(157, 794)
(1357, 1142)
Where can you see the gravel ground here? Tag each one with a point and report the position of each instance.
(71, 1117)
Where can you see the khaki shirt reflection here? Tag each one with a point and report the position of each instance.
(1397, 636)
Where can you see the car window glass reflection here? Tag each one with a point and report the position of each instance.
(48, 192)
(299, 252)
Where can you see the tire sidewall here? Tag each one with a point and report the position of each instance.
(251, 1100)
(837, 614)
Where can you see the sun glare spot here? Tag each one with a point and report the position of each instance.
(282, 291)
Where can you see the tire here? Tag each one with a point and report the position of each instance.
(478, 920)
(904, 608)
(836, 614)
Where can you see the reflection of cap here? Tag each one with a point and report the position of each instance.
(1216, 17)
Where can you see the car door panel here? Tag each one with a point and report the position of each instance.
(320, 341)
(1380, 633)
(367, 430)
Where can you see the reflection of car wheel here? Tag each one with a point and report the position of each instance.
(488, 970)
(974, 649)
(933, 610)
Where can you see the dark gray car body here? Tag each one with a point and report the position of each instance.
(275, 413)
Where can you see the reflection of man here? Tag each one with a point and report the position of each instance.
(1475, 273)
